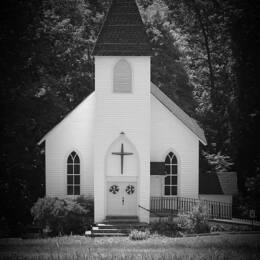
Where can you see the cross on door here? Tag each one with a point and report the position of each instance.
(122, 153)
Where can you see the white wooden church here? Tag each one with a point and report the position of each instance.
(127, 144)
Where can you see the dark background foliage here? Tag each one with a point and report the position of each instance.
(205, 59)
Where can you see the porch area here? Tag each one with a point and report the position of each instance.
(171, 206)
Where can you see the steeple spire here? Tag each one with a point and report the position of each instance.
(123, 32)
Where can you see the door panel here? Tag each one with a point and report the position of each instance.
(121, 198)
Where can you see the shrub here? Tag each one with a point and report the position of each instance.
(87, 204)
(198, 219)
(61, 216)
(139, 235)
(194, 222)
(217, 228)
(166, 228)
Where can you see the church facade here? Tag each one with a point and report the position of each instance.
(127, 141)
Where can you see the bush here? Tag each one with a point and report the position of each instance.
(194, 222)
(139, 235)
(87, 204)
(217, 228)
(198, 219)
(166, 228)
(61, 216)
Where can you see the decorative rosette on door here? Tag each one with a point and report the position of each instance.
(114, 189)
(130, 189)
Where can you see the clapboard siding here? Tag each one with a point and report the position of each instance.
(156, 185)
(115, 113)
(168, 133)
(73, 133)
(122, 112)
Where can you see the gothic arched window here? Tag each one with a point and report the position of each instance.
(122, 77)
(73, 174)
(171, 178)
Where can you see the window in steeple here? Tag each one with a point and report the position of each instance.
(122, 77)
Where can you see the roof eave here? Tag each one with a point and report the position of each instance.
(167, 102)
(42, 140)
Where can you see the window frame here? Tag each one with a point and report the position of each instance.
(75, 186)
(171, 174)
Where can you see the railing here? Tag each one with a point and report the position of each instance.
(150, 211)
(170, 205)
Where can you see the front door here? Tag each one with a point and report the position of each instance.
(121, 199)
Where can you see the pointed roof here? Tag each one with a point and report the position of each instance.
(179, 113)
(189, 122)
(218, 183)
(123, 32)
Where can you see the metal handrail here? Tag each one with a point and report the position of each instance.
(181, 204)
(197, 200)
(149, 211)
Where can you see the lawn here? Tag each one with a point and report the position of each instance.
(78, 247)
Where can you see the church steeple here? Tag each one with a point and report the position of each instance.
(123, 32)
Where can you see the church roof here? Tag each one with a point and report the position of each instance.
(169, 104)
(179, 113)
(209, 183)
(218, 183)
(123, 32)
(228, 182)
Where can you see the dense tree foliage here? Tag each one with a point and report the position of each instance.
(205, 59)
(47, 69)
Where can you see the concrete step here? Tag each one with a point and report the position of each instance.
(120, 221)
(121, 217)
(121, 225)
(116, 226)
(109, 235)
(98, 231)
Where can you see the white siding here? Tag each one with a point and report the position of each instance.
(113, 162)
(74, 133)
(117, 112)
(168, 133)
(148, 125)
(156, 185)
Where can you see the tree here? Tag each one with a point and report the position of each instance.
(168, 71)
(245, 45)
(47, 70)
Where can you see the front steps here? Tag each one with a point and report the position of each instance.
(116, 226)
(121, 219)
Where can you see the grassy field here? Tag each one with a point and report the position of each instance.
(77, 247)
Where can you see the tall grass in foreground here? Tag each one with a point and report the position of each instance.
(76, 247)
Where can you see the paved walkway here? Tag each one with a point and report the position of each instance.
(238, 221)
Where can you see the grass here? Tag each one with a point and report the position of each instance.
(156, 247)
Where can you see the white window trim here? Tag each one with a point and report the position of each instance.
(171, 175)
(73, 174)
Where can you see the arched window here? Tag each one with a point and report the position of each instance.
(171, 178)
(122, 77)
(73, 174)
